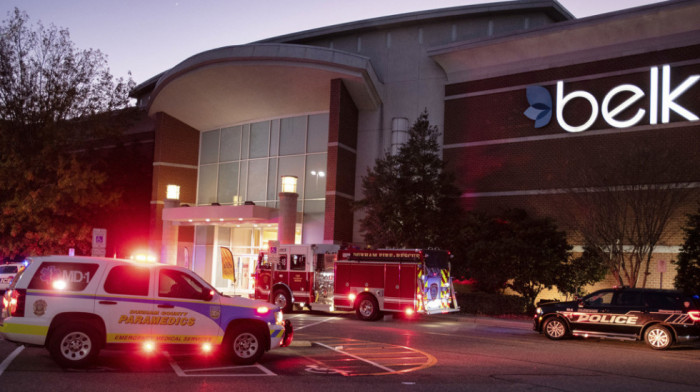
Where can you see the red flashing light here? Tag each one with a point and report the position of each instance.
(15, 304)
(149, 346)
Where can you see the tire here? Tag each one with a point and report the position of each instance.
(658, 337)
(367, 308)
(282, 299)
(555, 328)
(74, 345)
(245, 344)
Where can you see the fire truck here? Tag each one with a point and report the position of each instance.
(369, 282)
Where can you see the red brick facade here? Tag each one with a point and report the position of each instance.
(342, 143)
(175, 162)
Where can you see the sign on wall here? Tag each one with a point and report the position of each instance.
(613, 106)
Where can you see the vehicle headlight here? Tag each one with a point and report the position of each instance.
(279, 318)
(538, 311)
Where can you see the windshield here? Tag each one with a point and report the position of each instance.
(8, 269)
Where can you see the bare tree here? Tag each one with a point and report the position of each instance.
(630, 197)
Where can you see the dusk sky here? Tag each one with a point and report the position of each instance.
(147, 37)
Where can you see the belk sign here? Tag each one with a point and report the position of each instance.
(662, 101)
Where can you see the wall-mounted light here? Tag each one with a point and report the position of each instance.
(172, 192)
(289, 184)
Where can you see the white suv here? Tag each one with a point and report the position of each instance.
(7, 273)
(75, 306)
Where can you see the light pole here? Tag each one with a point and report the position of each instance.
(318, 174)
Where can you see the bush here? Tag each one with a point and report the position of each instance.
(491, 304)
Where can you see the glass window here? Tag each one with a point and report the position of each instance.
(178, 284)
(206, 191)
(257, 180)
(209, 153)
(293, 135)
(318, 133)
(315, 176)
(628, 298)
(76, 276)
(245, 139)
(599, 299)
(259, 139)
(298, 263)
(128, 280)
(282, 263)
(8, 269)
(274, 138)
(230, 144)
(272, 177)
(663, 301)
(228, 182)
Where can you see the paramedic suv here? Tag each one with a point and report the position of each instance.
(75, 306)
(660, 317)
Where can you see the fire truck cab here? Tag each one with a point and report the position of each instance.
(369, 282)
(296, 274)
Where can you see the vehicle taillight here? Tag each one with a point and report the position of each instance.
(16, 302)
(694, 315)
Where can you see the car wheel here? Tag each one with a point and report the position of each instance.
(74, 345)
(282, 299)
(245, 344)
(555, 328)
(367, 308)
(658, 337)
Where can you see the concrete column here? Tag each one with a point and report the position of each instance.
(287, 218)
(168, 249)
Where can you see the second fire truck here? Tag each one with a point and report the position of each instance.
(370, 282)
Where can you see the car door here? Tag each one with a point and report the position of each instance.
(124, 302)
(591, 311)
(188, 309)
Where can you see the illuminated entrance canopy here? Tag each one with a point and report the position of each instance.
(662, 100)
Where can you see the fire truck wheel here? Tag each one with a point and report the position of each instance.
(367, 308)
(282, 299)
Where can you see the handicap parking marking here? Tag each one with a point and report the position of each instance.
(255, 370)
(352, 357)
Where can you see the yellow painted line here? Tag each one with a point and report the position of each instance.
(376, 354)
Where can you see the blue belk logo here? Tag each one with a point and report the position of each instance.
(540, 109)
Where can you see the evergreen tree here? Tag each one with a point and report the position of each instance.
(688, 263)
(410, 201)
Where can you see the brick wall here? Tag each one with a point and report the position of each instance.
(342, 143)
(175, 162)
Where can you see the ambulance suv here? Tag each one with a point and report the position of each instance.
(76, 306)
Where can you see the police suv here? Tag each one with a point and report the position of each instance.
(76, 306)
(660, 317)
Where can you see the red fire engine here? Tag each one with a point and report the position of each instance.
(322, 277)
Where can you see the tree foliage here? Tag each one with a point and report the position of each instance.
(524, 254)
(410, 201)
(688, 262)
(627, 204)
(55, 100)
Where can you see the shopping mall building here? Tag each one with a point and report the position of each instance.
(524, 94)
